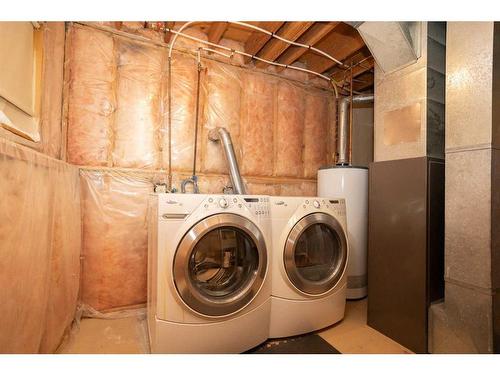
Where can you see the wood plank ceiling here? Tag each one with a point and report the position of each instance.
(338, 39)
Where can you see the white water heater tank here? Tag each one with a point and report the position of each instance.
(351, 183)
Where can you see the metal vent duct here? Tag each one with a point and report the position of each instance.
(393, 45)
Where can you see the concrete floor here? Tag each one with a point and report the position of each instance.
(129, 335)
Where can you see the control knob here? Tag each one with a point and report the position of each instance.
(316, 204)
(223, 203)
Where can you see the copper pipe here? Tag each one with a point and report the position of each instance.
(350, 119)
(169, 187)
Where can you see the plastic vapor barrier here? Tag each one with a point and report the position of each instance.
(184, 76)
(257, 120)
(40, 239)
(117, 117)
(118, 111)
(114, 239)
(138, 115)
(91, 96)
(223, 108)
(289, 131)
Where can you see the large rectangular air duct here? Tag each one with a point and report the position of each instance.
(393, 44)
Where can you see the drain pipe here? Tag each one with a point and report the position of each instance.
(222, 135)
(343, 110)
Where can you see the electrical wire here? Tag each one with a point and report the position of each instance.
(307, 46)
(233, 51)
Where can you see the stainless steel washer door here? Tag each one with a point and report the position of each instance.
(315, 254)
(220, 264)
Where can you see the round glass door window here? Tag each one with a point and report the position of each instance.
(316, 253)
(220, 264)
(223, 262)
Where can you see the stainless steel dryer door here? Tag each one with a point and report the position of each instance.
(315, 254)
(220, 264)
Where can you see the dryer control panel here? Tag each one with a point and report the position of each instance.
(336, 205)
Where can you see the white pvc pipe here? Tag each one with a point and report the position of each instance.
(289, 41)
(187, 24)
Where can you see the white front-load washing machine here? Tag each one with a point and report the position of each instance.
(310, 255)
(209, 283)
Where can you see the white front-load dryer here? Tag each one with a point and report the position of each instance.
(209, 283)
(310, 256)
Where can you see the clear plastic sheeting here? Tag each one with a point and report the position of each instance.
(184, 81)
(118, 111)
(138, 115)
(40, 240)
(257, 121)
(52, 87)
(289, 131)
(316, 133)
(92, 99)
(223, 108)
(114, 238)
(118, 119)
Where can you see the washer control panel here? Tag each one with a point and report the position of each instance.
(258, 206)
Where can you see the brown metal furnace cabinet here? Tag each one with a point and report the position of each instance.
(405, 247)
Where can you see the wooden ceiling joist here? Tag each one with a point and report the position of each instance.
(216, 31)
(257, 39)
(363, 82)
(312, 36)
(340, 44)
(344, 75)
(275, 47)
(337, 39)
(168, 34)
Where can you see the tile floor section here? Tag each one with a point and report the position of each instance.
(129, 335)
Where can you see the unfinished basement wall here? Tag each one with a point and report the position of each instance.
(40, 235)
(116, 116)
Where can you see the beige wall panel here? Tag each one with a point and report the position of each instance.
(315, 133)
(289, 131)
(91, 96)
(257, 118)
(469, 71)
(115, 239)
(222, 109)
(396, 90)
(138, 114)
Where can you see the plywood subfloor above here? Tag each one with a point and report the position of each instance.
(338, 39)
